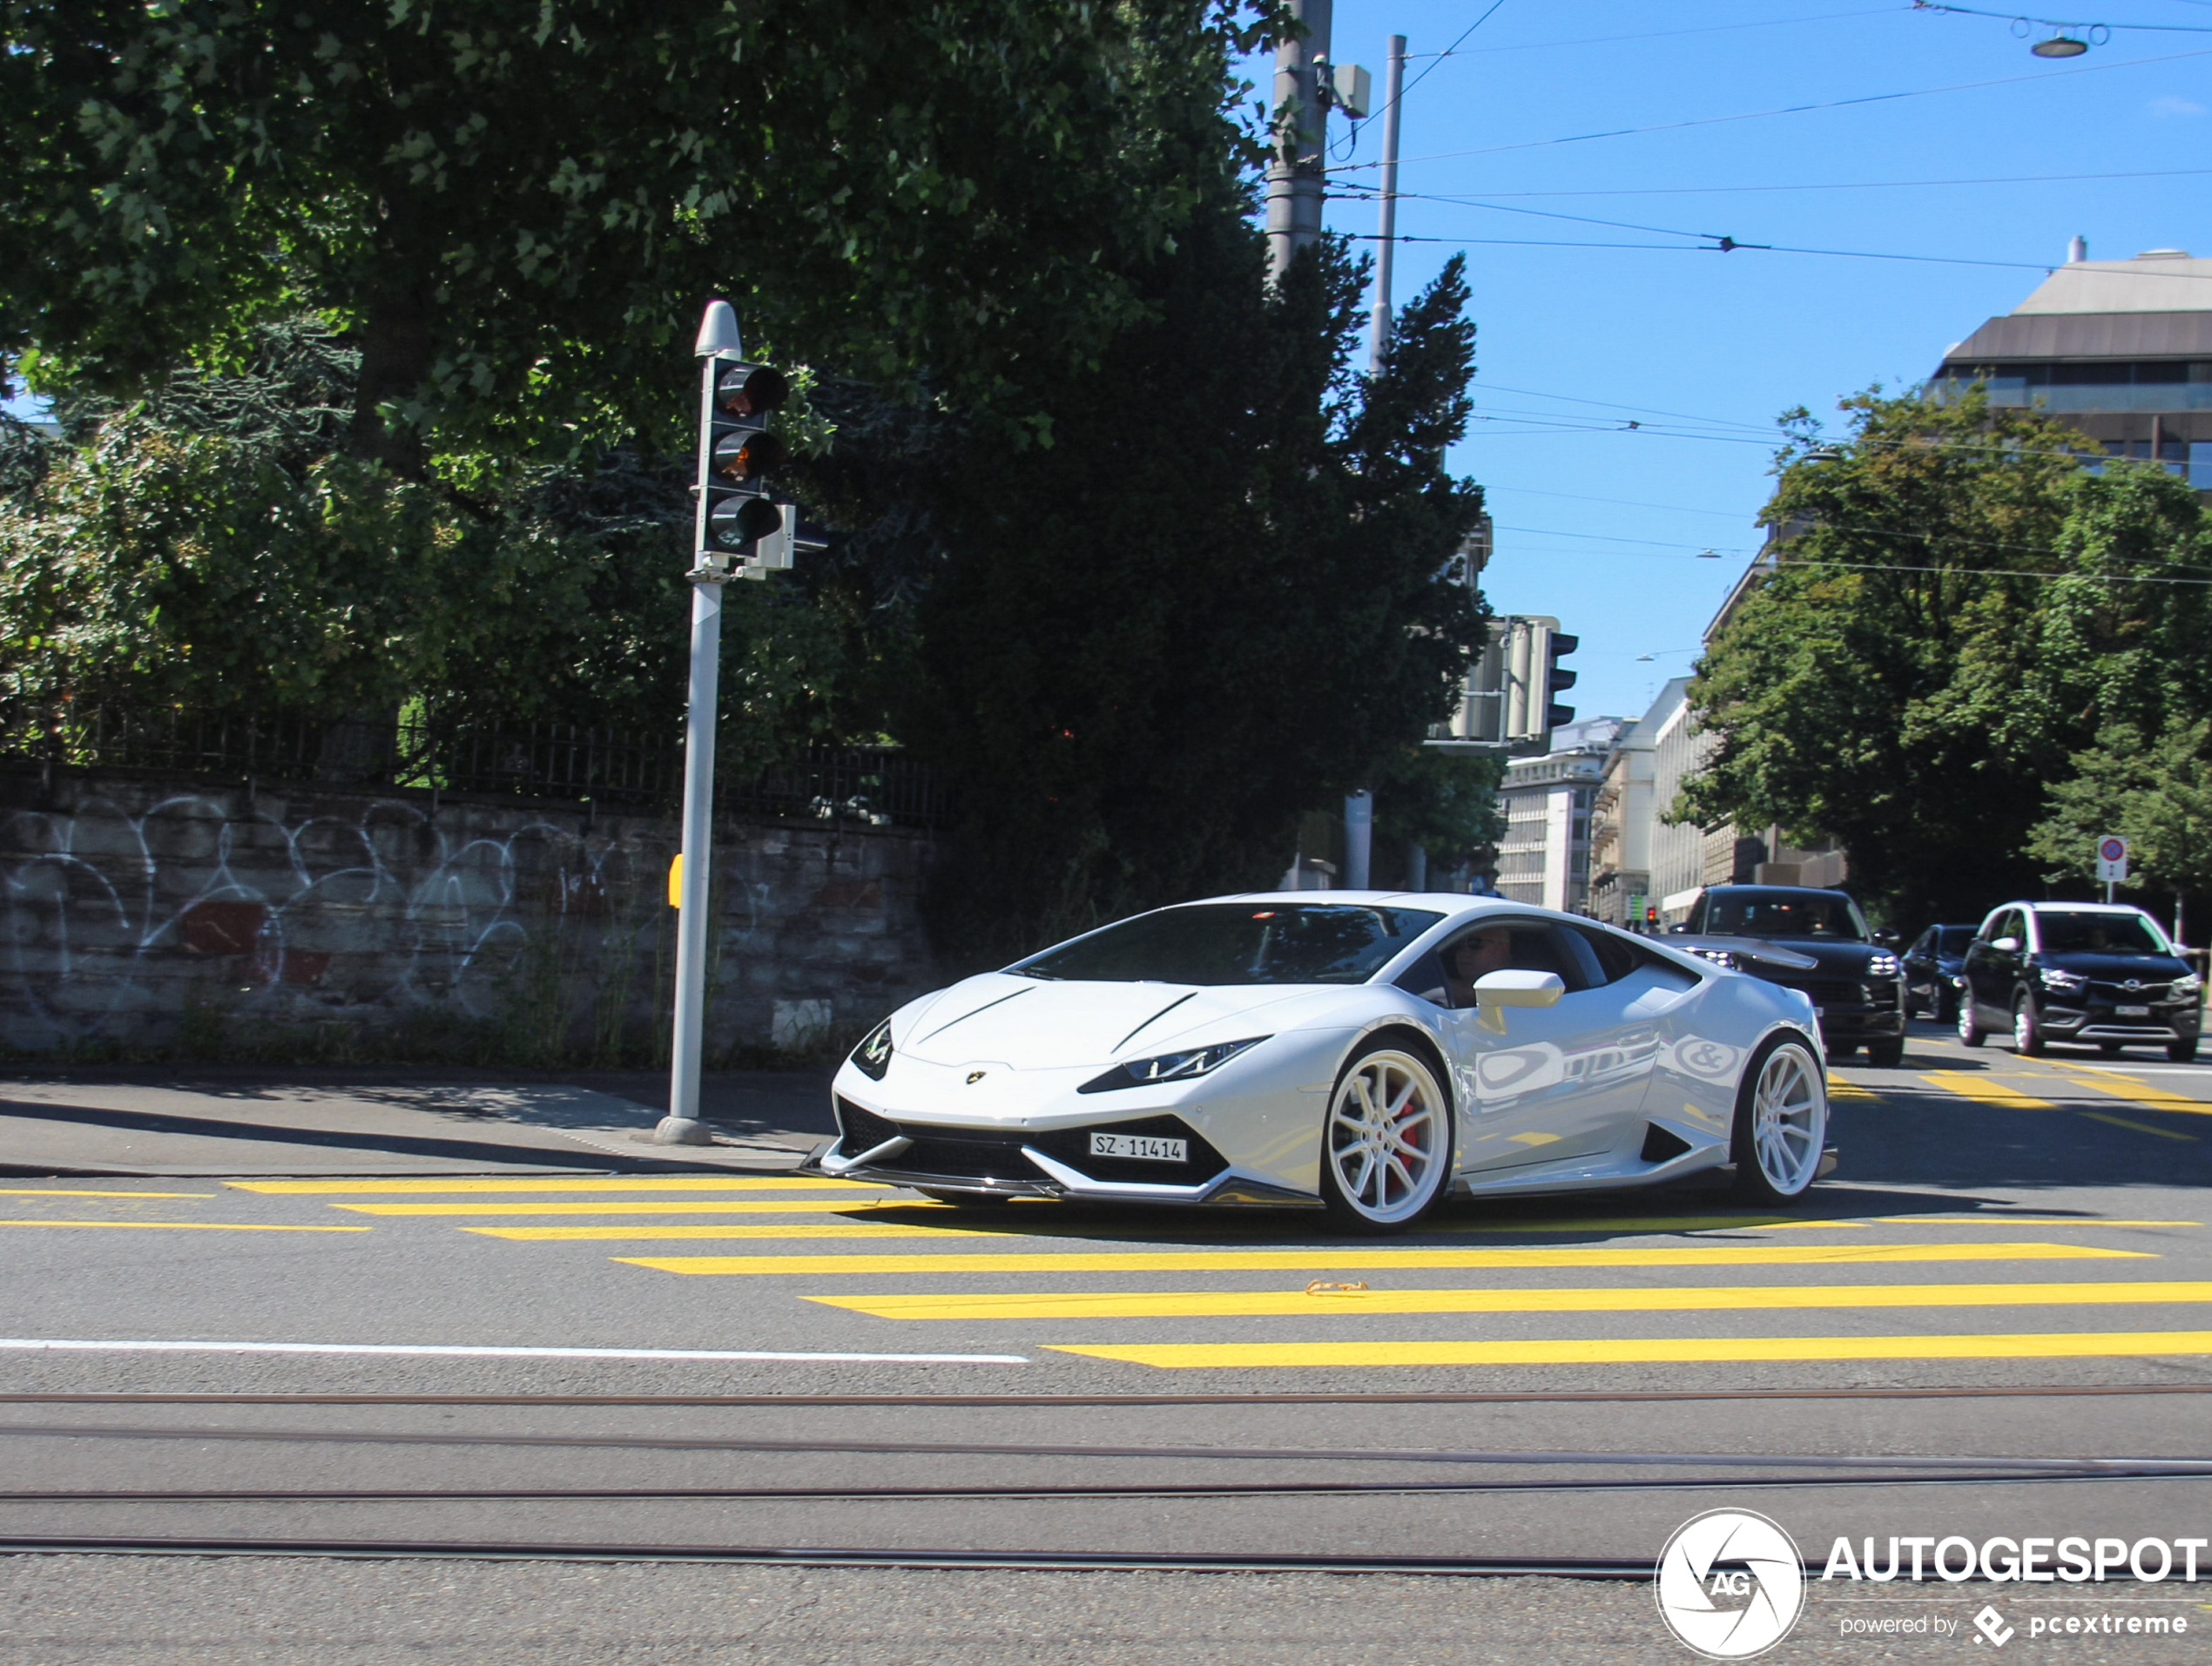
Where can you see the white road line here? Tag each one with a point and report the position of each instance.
(57, 1345)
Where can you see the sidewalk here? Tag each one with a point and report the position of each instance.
(259, 1120)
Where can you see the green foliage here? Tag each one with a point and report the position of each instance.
(2156, 793)
(1213, 603)
(1943, 635)
(515, 208)
(210, 545)
(1445, 802)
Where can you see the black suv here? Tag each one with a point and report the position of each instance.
(1814, 940)
(1931, 969)
(2102, 973)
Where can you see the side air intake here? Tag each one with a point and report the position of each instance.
(1660, 1146)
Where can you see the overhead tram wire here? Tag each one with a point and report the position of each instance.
(2064, 23)
(1669, 33)
(1784, 110)
(1730, 244)
(1854, 185)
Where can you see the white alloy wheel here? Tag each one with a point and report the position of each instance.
(1386, 1149)
(1781, 1124)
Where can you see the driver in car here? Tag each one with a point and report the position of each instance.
(1474, 955)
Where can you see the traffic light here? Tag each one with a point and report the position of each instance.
(739, 459)
(1560, 645)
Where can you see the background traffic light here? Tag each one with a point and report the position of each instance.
(739, 459)
(1558, 677)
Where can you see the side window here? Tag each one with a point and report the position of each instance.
(1425, 978)
(1447, 976)
(1614, 958)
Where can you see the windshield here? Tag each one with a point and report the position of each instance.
(2099, 933)
(1294, 942)
(1784, 914)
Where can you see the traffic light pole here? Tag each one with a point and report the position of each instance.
(718, 340)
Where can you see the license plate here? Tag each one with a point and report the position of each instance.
(1140, 1145)
(2131, 1012)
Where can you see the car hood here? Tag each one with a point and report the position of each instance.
(2117, 969)
(1792, 955)
(1029, 1023)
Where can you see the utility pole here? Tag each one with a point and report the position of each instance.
(1386, 243)
(1360, 806)
(1294, 174)
(718, 342)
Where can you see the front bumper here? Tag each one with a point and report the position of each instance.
(2167, 1021)
(1002, 1162)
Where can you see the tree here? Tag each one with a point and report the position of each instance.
(1957, 608)
(1214, 603)
(212, 546)
(2156, 793)
(514, 208)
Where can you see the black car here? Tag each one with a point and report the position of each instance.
(1815, 940)
(2101, 973)
(1932, 966)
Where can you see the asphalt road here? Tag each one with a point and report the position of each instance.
(1995, 1320)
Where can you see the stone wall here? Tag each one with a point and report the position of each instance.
(145, 915)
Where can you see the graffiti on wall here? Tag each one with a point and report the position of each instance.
(109, 908)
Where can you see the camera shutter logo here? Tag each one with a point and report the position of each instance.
(1740, 1558)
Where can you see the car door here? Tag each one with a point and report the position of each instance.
(1920, 991)
(1991, 971)
(1541, 1085)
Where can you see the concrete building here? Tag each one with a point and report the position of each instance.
(1545, 856)
(2120, 349)
(1624, 818)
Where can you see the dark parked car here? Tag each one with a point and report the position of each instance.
(2101, 973)
(1815, 940)
(1932, 969)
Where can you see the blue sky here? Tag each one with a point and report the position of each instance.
(1600, 525)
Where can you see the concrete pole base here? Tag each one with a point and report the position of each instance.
(681, 1130)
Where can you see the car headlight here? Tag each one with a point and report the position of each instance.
(873, 1055)
(2064, 983)
(1718, 956)
(2189, 987)
(1169, 1067)
(1885, 965)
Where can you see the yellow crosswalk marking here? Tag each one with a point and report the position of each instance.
(763, 1206)
(1967, 1085)
(1330, 1258)
(2138, 1091)
(1593, 1350)
(1840, 1089)
(1041, 1226)
(2013, 1220)
(664, 1183)
(641, 1231)
(2141, 1128)
(73, 1192)
(190, 1226)
(1255, 1303)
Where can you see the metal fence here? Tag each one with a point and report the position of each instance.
(614, 769)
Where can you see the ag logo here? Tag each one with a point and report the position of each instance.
(1730, 1584)
(975, 1076)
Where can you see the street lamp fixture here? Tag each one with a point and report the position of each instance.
(2060, 46)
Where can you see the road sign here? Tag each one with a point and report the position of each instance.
(2112, 860)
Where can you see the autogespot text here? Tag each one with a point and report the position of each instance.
(2073, 1561)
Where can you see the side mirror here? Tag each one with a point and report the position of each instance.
(2007, 946)
(1888, 936)
(1518, 989)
